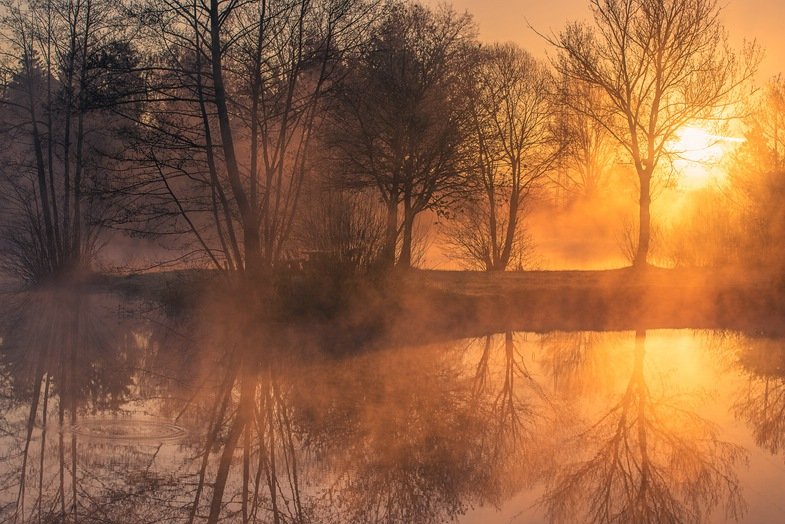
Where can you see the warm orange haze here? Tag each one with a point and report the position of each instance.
(700, 161)
(389, 261)
(504, 20)
(700, 157)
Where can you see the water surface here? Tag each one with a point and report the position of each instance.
(111, 411)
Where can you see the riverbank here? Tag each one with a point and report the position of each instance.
(619, 299)
(428, 304)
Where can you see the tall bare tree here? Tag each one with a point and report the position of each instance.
(233, 112)
(511, 148)
(66, 64)
(660, 64)
(399, 125)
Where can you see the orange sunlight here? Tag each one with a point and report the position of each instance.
(698, 155)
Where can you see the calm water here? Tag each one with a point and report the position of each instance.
(113, 412)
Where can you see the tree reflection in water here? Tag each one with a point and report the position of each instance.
(437, 432)
(398, 435)
(516, 413)
(762, 403)
(647, 458)
(579, 362)
(63, 355)
(275, 430)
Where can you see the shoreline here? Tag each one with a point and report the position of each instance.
(424, 305)
(618, 299)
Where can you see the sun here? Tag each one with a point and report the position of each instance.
(697, 154)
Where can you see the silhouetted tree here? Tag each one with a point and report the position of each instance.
(399, 123)
(69, 66)
(660, 65)
(230, 121)
(511, 146)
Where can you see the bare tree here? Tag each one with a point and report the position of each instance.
(512, 146)
(232, 114)
(66, 65)
(660, 64)
(398, 126)
(589, 151)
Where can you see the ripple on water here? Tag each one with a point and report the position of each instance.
(128, 429)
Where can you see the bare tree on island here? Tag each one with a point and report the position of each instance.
(511, 146)
(661, 64)
(398, 127)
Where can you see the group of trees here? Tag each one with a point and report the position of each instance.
(66, 65)
(251, 131)
(757, 173)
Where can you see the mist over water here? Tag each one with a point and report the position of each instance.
(348, 261)
(116, 412)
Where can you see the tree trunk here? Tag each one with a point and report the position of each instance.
(391, 232)
(49, 240)
(253, 249)
(75, 259)
(405, 260)
(250, 222)
(644, 230)
(493, 252)
(509, 237)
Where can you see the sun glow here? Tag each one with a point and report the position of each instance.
(697, 156)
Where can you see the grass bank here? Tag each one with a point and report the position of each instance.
(423, 305)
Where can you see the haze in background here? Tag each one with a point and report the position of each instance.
(589, 236)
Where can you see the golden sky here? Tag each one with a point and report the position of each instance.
(506, 20)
